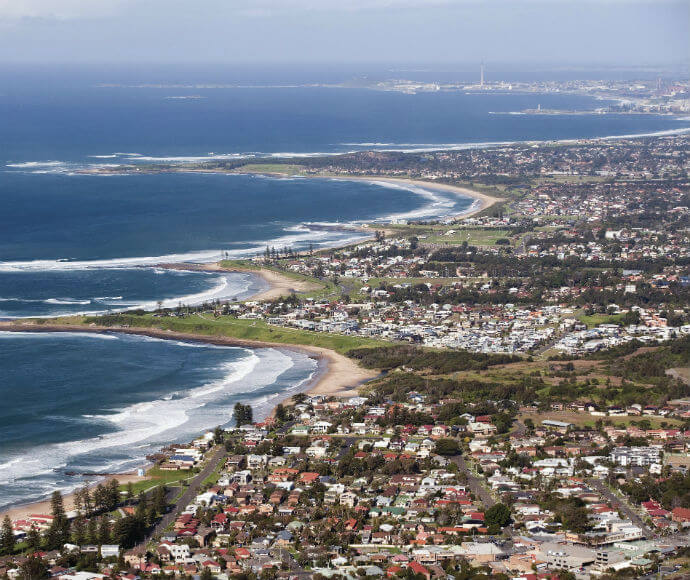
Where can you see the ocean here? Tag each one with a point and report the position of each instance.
(78, 403)
(74, 243)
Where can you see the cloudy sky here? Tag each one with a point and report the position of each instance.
(622, 32)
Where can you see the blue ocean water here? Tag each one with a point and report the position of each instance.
(82, 243)
(85, 403)
(93, 291)
(57, 122)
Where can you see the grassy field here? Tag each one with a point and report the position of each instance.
(287, 168)
(595, 319)
(587, 420)
(473, 236)
(158, 477)
(226, 326)
(570, 179)
(437, 234)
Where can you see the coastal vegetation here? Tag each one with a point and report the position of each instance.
(426, 359)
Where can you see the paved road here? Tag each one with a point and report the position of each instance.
(216, 455)
(519, 429)
(601, 488)
(475, 484)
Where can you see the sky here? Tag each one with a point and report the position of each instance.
(607, 32)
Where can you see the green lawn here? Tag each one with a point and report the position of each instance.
(595, 319)
(227, 326)
(287, 168)
(473, 236)
(158, 477)
(436, 234)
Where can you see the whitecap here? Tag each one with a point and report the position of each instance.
(67, 301)
(31, 164)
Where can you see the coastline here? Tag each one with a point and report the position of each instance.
(483, 200)
(278, 284)
(42, 507)
(282, 285)
(340, 380)
(336, 376)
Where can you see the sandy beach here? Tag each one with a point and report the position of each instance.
(484, 200)
(42, 508)
(279, 284)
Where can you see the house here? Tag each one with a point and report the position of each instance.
(681, 516)
(348, 499)
(417, 568)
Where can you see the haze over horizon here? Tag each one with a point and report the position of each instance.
(564, 32)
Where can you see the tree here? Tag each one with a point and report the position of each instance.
(299, 398)
(100, 498)
(79, 531)
(243, 414)
(130, 492)
(87, 500)
(104, 532)
(7, 540)
(281, 414)
(128, 531)
(497, 516)
(113, 494)
(58, 533)
(33, 538)
(160, 502)
(447, 447)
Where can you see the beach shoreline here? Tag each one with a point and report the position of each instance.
(483, 200)
(278, 284)
(342, 376)
(281, 284)
(336, 376)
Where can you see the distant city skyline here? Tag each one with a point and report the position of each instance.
(603, 32)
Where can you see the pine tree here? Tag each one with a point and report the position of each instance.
(160, 502)
(130, 492)
(79, 531)
(78, 501)
(7, 540)
(113, 494)
(92, 531)
(87, 501)
(104, 532)
(33, 538)
(58, 533)
(243, 414)
(100, 498)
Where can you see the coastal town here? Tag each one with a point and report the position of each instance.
(526, 413)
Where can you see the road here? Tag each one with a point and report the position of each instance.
(475, 484)
(601, 488)
(216, 455)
